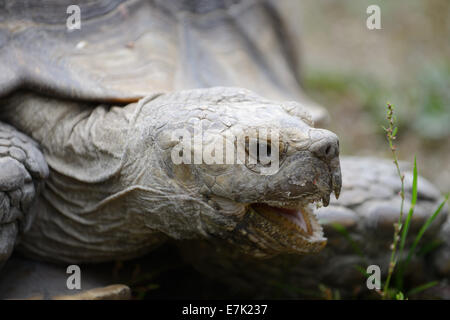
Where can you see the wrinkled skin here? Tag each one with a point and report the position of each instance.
(125, 180)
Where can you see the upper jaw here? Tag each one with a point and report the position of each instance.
(336, 177)
(319, 197)
(320, 193)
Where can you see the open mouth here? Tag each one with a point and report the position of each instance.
(277, 227)
(296, 217)
(300, 219)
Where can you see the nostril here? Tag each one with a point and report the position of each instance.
(328, 151)
(325, 144)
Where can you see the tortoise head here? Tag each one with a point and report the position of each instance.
(241, 169)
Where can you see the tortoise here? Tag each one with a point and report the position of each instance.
(103, 112)
(87, 121)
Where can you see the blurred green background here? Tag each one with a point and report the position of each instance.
(354, 71)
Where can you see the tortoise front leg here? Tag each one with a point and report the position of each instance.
(22, 172)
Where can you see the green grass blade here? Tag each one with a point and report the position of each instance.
(405, 227)
(411, 209)
(424, 228)
(429, 247)
(422, 287)
(361, 270)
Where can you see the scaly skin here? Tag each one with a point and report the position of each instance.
(114, 191)
(22, 172)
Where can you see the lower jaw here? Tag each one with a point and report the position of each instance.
(291, 235)
(298, 219)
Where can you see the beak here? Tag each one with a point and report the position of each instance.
(336, 177)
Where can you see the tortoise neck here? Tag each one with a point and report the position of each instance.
(79, 140)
